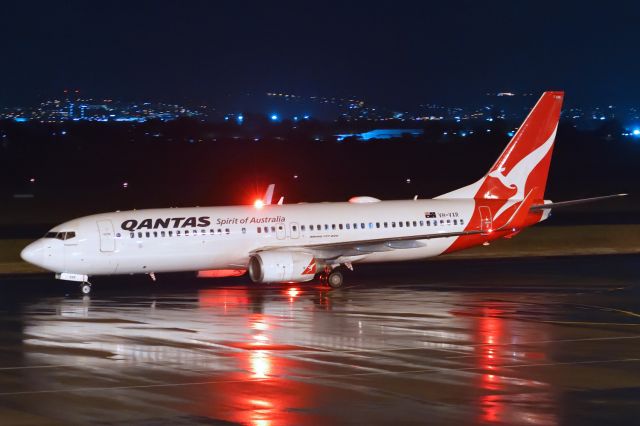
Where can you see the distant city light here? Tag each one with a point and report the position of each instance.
(511, 133)
(125, 185)
(274, 117)
(32, 180)
(636, 132)
(306, 117)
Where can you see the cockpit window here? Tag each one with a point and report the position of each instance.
(60, 235)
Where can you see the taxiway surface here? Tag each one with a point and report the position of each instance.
(520, 341)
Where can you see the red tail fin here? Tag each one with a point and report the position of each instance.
(524, 164)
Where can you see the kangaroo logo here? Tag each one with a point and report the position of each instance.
(517, 177)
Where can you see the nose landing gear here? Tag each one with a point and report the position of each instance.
(85, 287)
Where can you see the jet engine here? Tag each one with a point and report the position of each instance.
(279, 266)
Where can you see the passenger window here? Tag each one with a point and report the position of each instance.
(148, 234)
(244, 230)
(455, 221)
(393, 224)
(171, 233)
(400, 224)
(448, 221)
(139, 234)
(211, 231)
(441, 222)
(339, 226)
(162, 234)
(422, 223)
(295, 228)
(461, 222)
(377, 224)
(370, 225)
(362, 225)
(302, 228)
(132, 234)
(326, 227)
(259, 230)
(319, 228)
(273, 229)
(177, 233)
(408, 223)
(415, 223)
(219, 231)
(227, 231)
(385, 225)
(348, 226)
(333, 226)
(266, 229)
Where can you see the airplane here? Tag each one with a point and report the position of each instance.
(299, 242)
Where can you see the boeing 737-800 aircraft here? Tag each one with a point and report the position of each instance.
(295, 243)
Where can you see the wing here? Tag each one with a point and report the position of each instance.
(331, 251)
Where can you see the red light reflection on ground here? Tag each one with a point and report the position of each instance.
(490, 328)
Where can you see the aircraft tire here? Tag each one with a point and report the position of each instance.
(335, 279)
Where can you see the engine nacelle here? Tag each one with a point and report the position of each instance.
(279, 266)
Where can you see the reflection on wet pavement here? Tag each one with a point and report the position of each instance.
(301, 354)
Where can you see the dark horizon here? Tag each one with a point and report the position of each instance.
(397, 55)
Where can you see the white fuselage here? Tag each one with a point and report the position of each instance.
(167, 240)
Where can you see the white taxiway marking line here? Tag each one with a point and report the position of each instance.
(309, 377)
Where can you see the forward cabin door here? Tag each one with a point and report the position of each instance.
(107, 237)
(486, 221)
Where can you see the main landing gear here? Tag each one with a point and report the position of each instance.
(333, 278)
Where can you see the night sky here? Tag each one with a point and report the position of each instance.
(392, 52)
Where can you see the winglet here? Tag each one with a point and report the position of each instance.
(268, 195)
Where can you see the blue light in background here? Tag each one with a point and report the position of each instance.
(636, 132)
(20, 119)
(274, 117)
(306, 116)
(240, 119)
(511, 133)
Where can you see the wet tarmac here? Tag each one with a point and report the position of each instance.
(522, 342)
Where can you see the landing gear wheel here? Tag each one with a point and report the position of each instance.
(335, 279)
(85, 288)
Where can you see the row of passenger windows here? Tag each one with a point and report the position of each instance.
(179, 233)
(294, 228)
(370, 225)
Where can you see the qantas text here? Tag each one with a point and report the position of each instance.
(192, 222)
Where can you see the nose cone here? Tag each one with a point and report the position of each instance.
(33, 253)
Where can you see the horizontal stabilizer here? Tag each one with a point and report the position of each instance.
(573, 202)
